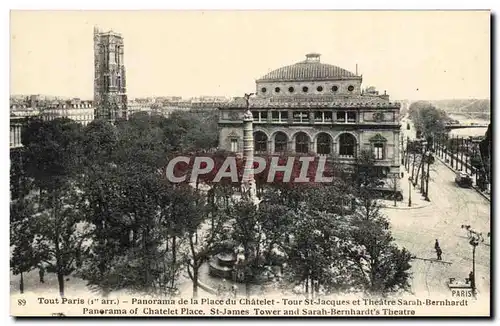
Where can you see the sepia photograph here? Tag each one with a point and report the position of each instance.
(250, 163)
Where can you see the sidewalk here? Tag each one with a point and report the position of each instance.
(486, 194)
(417, 200)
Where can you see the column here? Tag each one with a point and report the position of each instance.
(11, 135)
(18, 130)
(396, 160)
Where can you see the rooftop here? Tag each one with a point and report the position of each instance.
(309, 69)
(313, 102)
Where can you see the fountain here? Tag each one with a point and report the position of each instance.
(222, 265)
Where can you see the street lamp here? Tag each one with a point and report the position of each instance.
(409, 191)
(474, 242)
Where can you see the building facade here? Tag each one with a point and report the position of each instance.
(16, 127)
(313, 108)
(76, 110)
(46, 109)
(110, 96)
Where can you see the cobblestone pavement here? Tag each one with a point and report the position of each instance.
(451, 206)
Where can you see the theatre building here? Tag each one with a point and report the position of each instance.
(314, 108)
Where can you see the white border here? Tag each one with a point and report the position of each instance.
(191, 4)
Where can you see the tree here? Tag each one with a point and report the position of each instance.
(247, 233)
(99, 142)
(101, 206)
(277, 222)
(52, 159)
(23, 256)
(379, 265)
(56, 237)
(428, 119)
(313, 253)
(191, 206)
(192, 130)
(141, 209)
(142, 142)
(368, 180)
(52, 162)
(20, 183)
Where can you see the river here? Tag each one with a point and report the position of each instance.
(466, 132)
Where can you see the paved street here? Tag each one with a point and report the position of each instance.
(417, 229)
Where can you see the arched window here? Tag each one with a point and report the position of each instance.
(260, 142)
(324, 144)
(301, 143)
(280, 142)
(347, 145)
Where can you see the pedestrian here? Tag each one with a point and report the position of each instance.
(471, 280)
(436, 245)
(41, 273)
(224, 288)
(439, 252)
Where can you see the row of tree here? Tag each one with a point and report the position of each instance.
(431, 122)
(92, 201)
(428, 119)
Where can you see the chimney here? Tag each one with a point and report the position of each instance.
(356, 69)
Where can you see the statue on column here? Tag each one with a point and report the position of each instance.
(247, 105)
(247, 99)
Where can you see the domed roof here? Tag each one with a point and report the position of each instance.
(310, 69)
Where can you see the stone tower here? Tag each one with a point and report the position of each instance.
(110, 98)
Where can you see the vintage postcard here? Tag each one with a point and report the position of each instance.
(250, 163)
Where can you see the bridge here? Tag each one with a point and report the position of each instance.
(466, 125)
(469, 112)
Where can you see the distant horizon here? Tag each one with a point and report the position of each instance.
(227, 96)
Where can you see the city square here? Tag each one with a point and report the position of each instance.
(308, 183)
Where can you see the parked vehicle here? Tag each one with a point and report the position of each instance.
(463, 180)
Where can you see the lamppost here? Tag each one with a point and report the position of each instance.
(474, 242)
(409, 191)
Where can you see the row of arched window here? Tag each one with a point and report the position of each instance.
(347, 143)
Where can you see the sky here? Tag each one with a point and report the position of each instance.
(411, 54)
